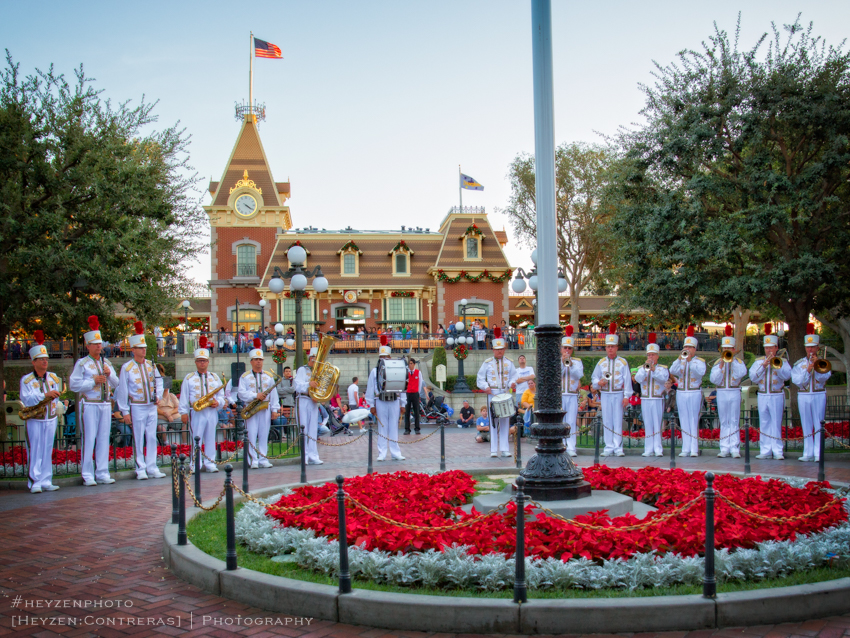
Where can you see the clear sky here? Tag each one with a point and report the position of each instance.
(376, 103)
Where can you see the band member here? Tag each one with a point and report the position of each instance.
(727, 377)
(498, 375)
(771, 397)
(386, 409)
(36, 387)
(689, 370)
(308, 410)
(95, 379)
(613, 378)
(811, 396)
(139, 392)
(258, 384)
(652, 378)
(572, 370)
(196, 385)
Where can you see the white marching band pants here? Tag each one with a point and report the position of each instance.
(388, 413)
(689, 403)
(95, 426)
(652, 410)
(812, 411)
(40, 433)
(203, 425)
(258, 427)
(144, 438)
(308, 416)
(499, 439)
(569, 404)
(729, 412)
(771, 411)
(612, 419)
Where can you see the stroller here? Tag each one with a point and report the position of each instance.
(437, 411)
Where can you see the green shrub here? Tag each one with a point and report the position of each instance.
(175, 386)
(439, 358)
(470, 381)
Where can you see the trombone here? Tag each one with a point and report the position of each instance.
(776, 362)
(821, 365)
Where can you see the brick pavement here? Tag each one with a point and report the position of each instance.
(103, 545)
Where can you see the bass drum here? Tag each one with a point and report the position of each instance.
(392, 376)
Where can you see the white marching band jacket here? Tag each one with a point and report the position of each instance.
(652, 382)
(689, 374)
(195, 385)
(253, 383)
(728, 376)
(806, 381)
(33, 388)
(497, 374)
(82, 380)
(770, 381)
(571, 376)
(621, 376)
(138, 385)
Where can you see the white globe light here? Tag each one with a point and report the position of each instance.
(263, 303)
(320, 284)
(534, 256)
(185, 303)
(296, 255)
(464, 340)
(450, 341)
(534, 302)
(279, 342)
(290, 342)
(518, 285)
(532, 282)
(463, 302)
(269, 343)
(298, 282)
(562, 284)
(278, 328)
(276, 285)
(459, 325)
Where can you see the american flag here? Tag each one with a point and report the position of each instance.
(264, 49)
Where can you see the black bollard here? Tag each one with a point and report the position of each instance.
(746, 446)
(246, 461)
(596, 422)
(303, 445)
(231, 521)
(518, 448)
(175, 497)
(673, 443)
(520, 590)
(182, 538)
(442, 447)
(344, 575)
(822, 456)
(709, 583)
(198, 468)
(369, 469)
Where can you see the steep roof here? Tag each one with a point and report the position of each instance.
(452, 252)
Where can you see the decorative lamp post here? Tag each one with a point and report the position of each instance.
(325, 315)
(185, 305)
(263, 303)
(518, 285)
(462, 339)
(279, 343)
(298, 279)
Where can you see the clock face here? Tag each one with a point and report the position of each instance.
(246, 205)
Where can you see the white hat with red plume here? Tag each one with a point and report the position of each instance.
(612, 338)
(93, 335)
(385, 350)
(202, 351)
(651, 345)
(728, 341)
(498, 341)
(690, 339)
(138, 340)
(568, 341)
(38, 351)
(257, 351)
(770, 339)
(811, 338)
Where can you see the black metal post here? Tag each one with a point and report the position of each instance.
(231, 522)
(822, 458)
(344, 575)
(709, 583)
(442, 447)
(303, 453)
(198, 468)
(245, 460)
(747, 445)
(369, 469)
(518, 447)
(175, 497)
(182, 538)
(597, 421)
(236, 336)
(520, 590)
(299, 330)
(673, 442)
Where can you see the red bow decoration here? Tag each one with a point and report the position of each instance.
(728, 330)
(569, 331)
(94, 322)
(651, 337)
(202, 342)
(39, 337)
(140, 327)
(257, 342)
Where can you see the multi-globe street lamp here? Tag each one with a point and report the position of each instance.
(462, 339)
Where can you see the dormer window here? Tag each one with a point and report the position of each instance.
(472, 244)
(401, 255)
(349, 260)
(401, 264)
(472, 239)
(349, 264)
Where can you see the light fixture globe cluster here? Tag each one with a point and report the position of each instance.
(519, 285)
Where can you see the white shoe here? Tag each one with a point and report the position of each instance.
(254, 466)
(620, 453)
(382, 458)
(779, 458)
(36, 490)
(572, 453)
(459, 425)
(51, 488)
(764, 456)
(106, 481)
(212, 470)
(493, 455)
(263, 464)
(313, 462)
(398, 458)
(805, 459)
(507, 454)
(683, 454)
(659, 454)
(722, 455)
(605, 454)
(142, 477)
(694, 455)
(647, 454)
(736, 455)
(89, 482)
(157, 475)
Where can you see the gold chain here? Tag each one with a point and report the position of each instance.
(835, 438)
(424, 438)
(227, 460)
(320, 442)
(776, 519)
(197, 503)
(418, 528)
(278, 508)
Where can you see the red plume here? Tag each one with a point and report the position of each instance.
(384, 340)
(690, 331)
(39, 337)
(497, 332)
(94, 322)
(810, 328)
(768, 328)
(728, 330)
(651, 337)
(612, 329)
(140, 327)
(569, 331)
(257, 342)
(202, 342)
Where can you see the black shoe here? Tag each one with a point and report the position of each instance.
(407, 431)
(417, 432)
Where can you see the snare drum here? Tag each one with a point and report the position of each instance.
(391, 378)
(502, 406)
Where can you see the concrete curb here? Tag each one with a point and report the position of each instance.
(780, 605)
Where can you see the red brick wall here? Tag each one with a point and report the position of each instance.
(224, 249)
(483, 290)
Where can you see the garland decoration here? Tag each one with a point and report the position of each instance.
(401, 293)
(472, 231)
(400, 246)
(279, 356)
(442, 276)
(288, 294)
(350, 245)
(461, 352)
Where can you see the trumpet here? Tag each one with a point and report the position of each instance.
(684, 354)
(607, 376)
(727, 357)
(820, 364)
(647, 366)
(776, 362)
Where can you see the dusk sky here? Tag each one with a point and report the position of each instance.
(376, 103)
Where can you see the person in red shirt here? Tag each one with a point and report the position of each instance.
(414, 382)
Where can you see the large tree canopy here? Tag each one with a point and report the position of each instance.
(735, 191)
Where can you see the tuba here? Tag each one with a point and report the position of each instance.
(325, 374)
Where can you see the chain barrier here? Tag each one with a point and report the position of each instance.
(775, 519)
(225, 461)
(279, 456)
(424, 438)
(453, 526)
(835, 438)
(197, 502)
(278, 508)
(320, 442)
(627, 528)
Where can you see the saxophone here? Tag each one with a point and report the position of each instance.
(34, 411)
(205, 401)
(324, 373)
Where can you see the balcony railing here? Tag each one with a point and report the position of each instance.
(244, 270)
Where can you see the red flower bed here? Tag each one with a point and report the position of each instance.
(17, 454)
(838, 430)
(432, 502)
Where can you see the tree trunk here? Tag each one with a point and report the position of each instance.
(574, 310)
(742, 319)
(841, 326)
(797, 316)
(4, 436)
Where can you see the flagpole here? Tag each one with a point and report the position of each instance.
(460, 188)
(251, 73)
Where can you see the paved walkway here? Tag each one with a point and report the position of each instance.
(100, 547)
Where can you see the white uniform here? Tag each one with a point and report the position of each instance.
(570, 381)
(811, 399)
(203, 423)
(94, 417)
(139, 389)
(619, 387)
(308, 412)
(689, 400)
(728, 379)
(652, 406)
(40, 432)
(771, 399)
(250, 385)
(497, 375)
(388, 413)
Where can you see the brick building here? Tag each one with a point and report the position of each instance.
(410, 276)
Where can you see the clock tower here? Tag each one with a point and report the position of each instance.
(247, 210)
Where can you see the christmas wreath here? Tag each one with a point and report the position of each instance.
(461, 352)
(279, 356)
(473, 231)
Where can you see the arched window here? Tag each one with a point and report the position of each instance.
(246, 260)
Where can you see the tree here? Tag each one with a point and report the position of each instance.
(734, 193)
(579, 177)
(96, 208)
